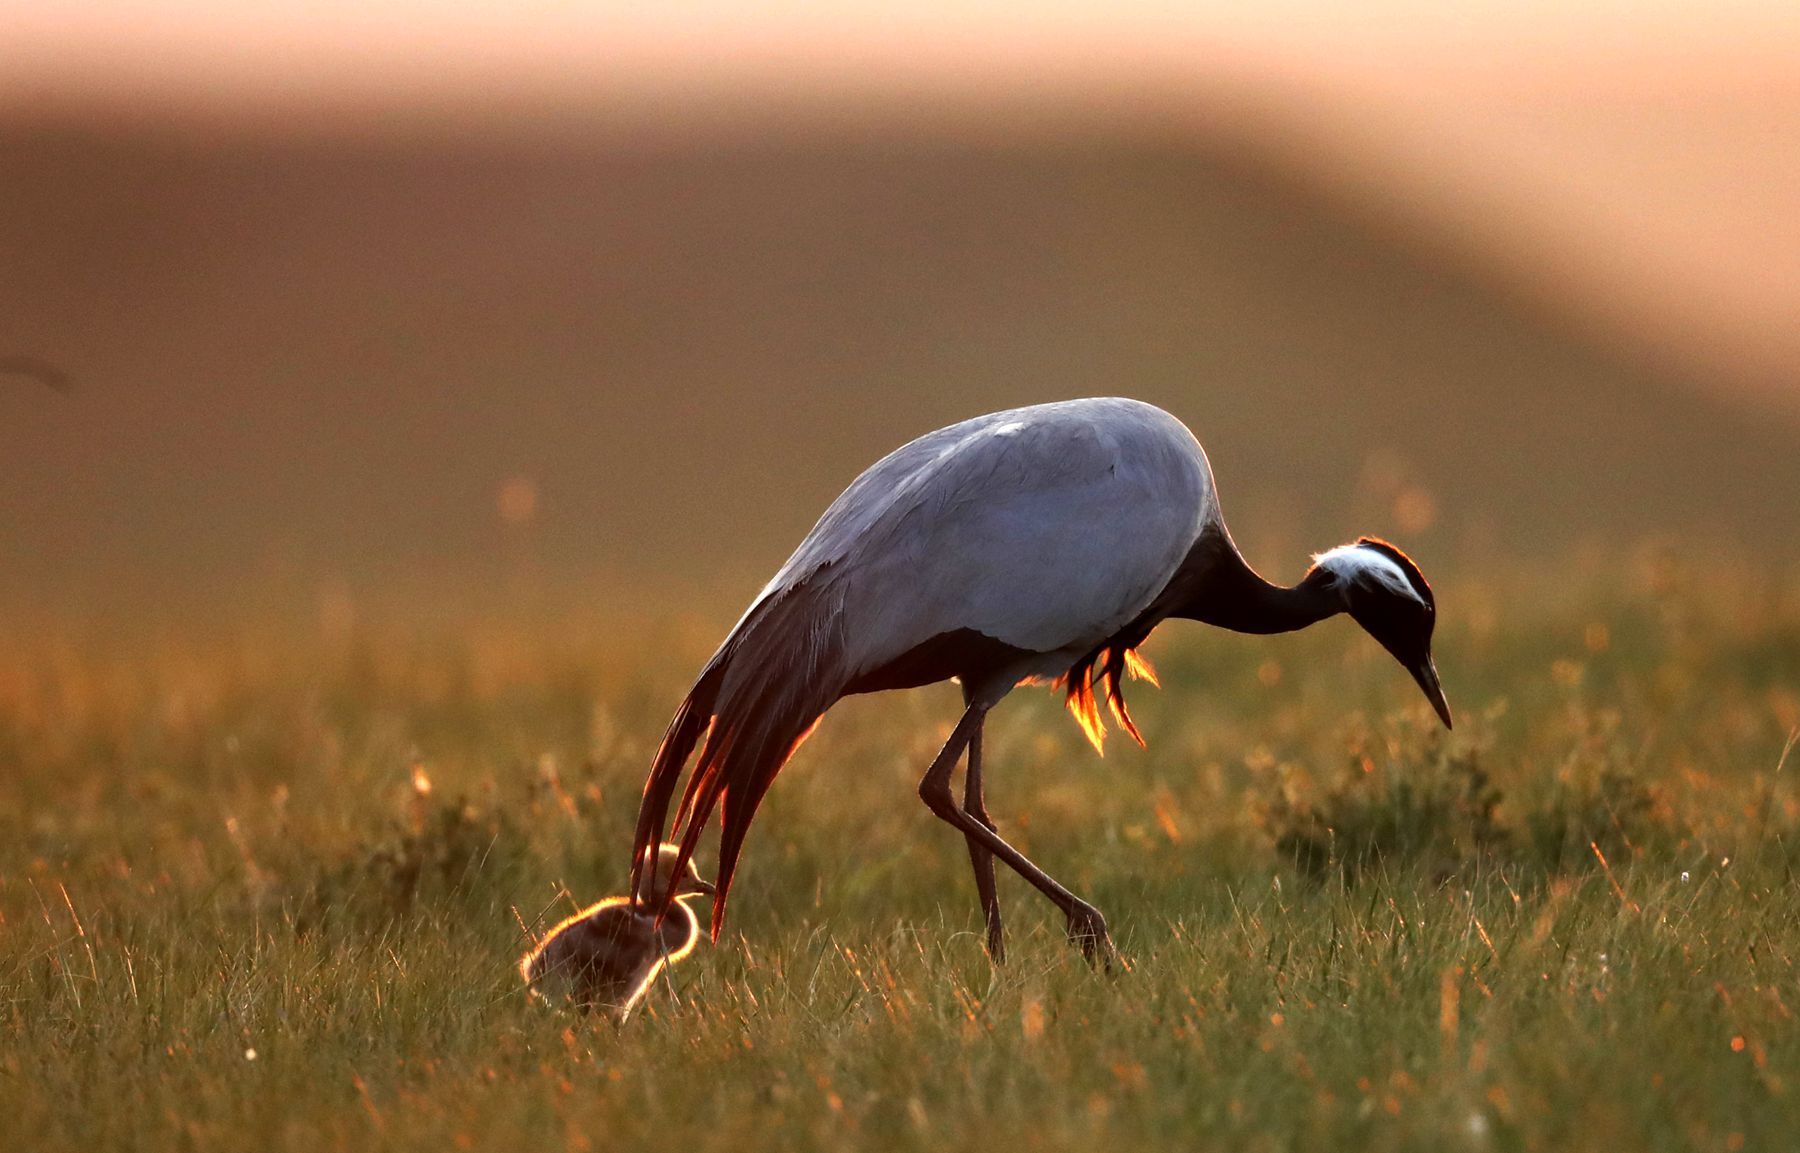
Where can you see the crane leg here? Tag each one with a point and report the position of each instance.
(1087, 928)
(979, 857)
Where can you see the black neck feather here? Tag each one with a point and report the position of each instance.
(1216, 586)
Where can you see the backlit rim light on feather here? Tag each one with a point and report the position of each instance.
(1106, 668)
(662, 962)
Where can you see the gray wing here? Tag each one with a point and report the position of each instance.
(1042, 527)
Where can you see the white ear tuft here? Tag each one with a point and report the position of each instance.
(1358, 564)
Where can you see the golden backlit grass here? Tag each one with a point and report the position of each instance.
(262, 895)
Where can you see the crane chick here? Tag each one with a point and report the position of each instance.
(608, 955)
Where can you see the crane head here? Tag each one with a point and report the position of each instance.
(660, 879)
(1385, 593)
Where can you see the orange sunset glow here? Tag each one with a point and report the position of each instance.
(394, 209)
(1635, 162)
(564, 566)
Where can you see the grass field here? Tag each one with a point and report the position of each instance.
(262, 894)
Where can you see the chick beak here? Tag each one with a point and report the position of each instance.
(1425, 672)
(698, 885)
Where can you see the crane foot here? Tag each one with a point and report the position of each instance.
(1087, 929)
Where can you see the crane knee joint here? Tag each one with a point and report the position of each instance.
(937, 798)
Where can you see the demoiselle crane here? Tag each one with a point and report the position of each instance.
(1040, 542)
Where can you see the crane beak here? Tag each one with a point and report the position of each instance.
(1425, 672)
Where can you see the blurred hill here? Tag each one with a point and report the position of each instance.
(320, 360)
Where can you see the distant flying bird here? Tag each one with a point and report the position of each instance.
(1042, 542)
(608, 955)
(35, 368)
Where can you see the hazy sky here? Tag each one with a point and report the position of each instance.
(349, 51)
(1637, 161)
